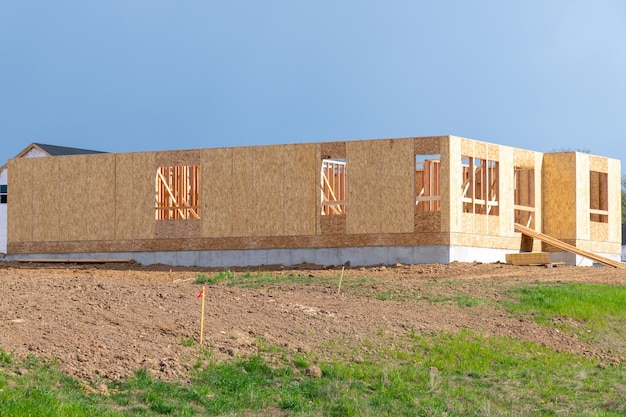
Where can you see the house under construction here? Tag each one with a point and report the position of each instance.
(409, 200)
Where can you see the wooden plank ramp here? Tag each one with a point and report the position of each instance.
(567, 247)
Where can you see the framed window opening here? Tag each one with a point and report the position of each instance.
(3, 194)
(598, 197)
(480, 188)
(177, 192)
(427, 183)
(333, 187)
(524, 197)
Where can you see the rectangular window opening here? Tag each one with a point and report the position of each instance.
(598, 197)
(333, 187)
(524, 198)
(427, 183)
(178, 192)
(3, 194)
(480, 188)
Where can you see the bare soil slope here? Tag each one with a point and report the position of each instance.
(106, 321)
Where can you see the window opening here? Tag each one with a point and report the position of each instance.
(524, 198)
(598, 197)
(427, 183)
(480, 186)
(3, 194)
(333, 186)
(178, 192)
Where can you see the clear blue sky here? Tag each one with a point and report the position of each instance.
(142, 75)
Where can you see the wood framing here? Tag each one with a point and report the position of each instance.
(436, 193)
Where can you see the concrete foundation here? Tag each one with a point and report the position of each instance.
(573, 259)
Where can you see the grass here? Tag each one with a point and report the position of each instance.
(455, 374)
(593, 312)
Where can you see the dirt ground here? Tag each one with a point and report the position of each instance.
(108, 320)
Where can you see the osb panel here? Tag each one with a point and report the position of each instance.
(333, 150)
(300, 190)
(486, 224)
(168, 229)
(598, 163)
(493, 151)
(216, 192)
(473, 148)
(318, 180)
(50, 192)
(333, 225)
(466, 223)
(74, 199)
(614, 248)
(478, 149)
(243, 191)
(19, 209)
(559, 195)
(398, 187)
(178, 158)
(523, 158)
(144, 197)
(100, 213)
(135, 179)
(599, 231)
(485, 241)
(428, 145)
(428, 222)
(363, 187)
(124, 198)
(268, 192)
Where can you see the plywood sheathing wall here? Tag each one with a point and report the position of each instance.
(48, 196)
(72, 174)
(470, 223)
(559, 196)
(300, 190)
(20, 207)
(100, 207)
(480, 230)
(606, 237)
(380, 186)
(134, 197)
(216, 192)
(258, 191)
(566, 201)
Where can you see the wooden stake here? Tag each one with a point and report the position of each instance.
(202, 317)
(340, 278)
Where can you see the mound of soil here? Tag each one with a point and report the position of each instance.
(106, 321)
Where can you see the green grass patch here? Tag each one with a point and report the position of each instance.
(454, 374)
(463, 300)
(589, 310)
